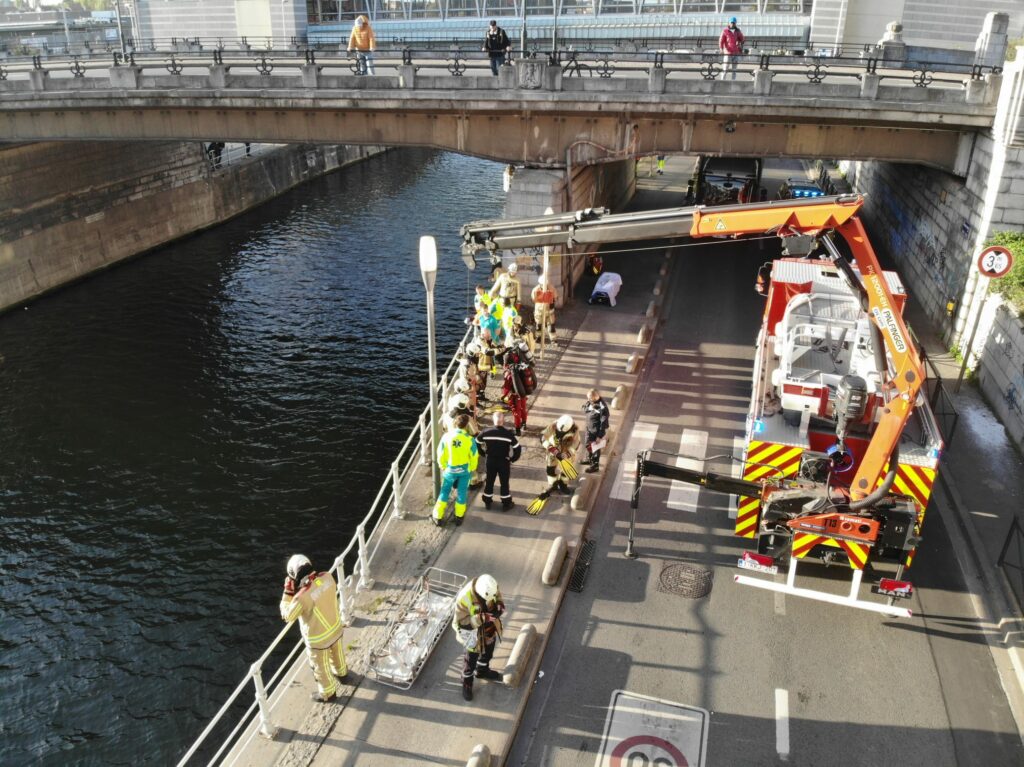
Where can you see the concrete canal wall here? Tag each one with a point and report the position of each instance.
(70, 209)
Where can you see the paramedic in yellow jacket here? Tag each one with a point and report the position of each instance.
(364, 43)
(561, 440)
(457, 457)
(312, 597)
(477, 624)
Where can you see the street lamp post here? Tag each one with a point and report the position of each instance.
(428, 269)
(120, 31)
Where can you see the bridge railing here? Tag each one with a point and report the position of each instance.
(275, 67)
(352, 569)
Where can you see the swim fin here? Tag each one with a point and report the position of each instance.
(568, 469)
(537, 504)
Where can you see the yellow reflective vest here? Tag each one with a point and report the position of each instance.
(316, 607)
(469, 607)
(457, 450)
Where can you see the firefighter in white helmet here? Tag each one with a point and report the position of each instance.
(544, 308)
(312, 597)
(561, 440)
(477, 624)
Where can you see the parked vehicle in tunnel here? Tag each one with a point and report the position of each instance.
(799, 188)
(726, 180)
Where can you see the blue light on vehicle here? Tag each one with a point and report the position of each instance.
(934, 453)
(757, 426)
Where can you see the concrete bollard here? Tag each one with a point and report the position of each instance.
(218, 75)
(556, 556)
(869, 86)
(763, 82)
(664, 269)
(310, 75)
(633, 363)
(644, 336)
(520, 655)
(976, 91)
(995, 83)
(125, 77)
(659, 286)
(38, 78)
(652, 309)
(656, 80)
(581, 499)
(407, 76)
(621, 397)
(481, 756)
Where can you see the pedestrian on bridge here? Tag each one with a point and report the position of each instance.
(364, 43)
(312, 598)
(502, 449)
(477, 624)
(731, 45)
(497, 45)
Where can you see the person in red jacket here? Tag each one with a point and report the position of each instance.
(731, 46)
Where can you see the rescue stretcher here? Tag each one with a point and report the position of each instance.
(413, 633)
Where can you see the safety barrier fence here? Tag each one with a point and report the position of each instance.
(1011, 559)
(290, 63)
(235, 153)
(352, 569)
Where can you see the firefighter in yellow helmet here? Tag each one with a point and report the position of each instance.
(312, 597)
(457, 457)
(477, 624)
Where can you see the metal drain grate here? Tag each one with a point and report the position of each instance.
(686, 581)
(579, 572)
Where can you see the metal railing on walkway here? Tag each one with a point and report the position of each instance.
(351, 569)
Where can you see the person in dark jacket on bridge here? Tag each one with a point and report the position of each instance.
(596, 411)
(497, 45)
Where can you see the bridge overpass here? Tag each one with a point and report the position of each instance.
(570, 108)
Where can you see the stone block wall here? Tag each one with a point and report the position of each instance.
(71, 209)
(923, 222)
(1000, 372)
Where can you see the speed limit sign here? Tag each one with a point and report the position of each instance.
(995, 261)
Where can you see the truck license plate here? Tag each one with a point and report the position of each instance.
(750, 564)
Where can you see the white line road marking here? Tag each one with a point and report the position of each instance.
(694, 445)
(782, 723)
(737, 471)
(780, 603)
(641, 438)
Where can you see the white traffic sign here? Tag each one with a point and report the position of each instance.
(641, 730)
(995, 261)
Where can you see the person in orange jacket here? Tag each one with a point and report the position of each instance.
(364, 43)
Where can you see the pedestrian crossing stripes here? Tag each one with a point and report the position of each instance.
(693, 449)
(641, 438)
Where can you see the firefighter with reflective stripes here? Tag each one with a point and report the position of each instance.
(477, 624)
(560, 440)
(502, 449)
(457, 457)
(312, 597)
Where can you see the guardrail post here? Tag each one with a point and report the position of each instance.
(396, 491)
(125, 77)
(763, 82)
(310, 75)
(38, 77)
(343, 611)
(267, 728)
(365, 581)
(425, 445)
(407, 76)
(219, 75)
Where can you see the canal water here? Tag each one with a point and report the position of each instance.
(172, 430)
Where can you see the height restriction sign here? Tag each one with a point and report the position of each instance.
(995, 261)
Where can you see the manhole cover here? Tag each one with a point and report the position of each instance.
(686, 581)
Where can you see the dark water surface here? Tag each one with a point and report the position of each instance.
(173, 429)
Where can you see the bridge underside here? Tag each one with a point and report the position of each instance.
(545, 137)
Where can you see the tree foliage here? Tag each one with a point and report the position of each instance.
(1011, 287)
